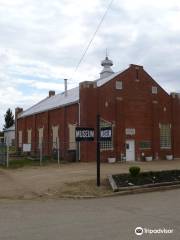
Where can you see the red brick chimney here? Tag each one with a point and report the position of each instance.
(52, 93)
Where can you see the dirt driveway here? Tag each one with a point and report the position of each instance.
(33, 182)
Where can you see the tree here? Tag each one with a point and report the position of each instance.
(8, 118)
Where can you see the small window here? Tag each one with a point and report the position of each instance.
(154, 90)
(119, 85)
(165, 135)
(145, 145)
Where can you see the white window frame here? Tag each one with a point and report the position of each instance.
(119, 85)
(165, 140)
(20, 139)
(154, 90)
(55, 136)
(72, 140)
(29, 136)
(40, 136)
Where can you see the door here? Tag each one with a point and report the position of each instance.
(130, 150)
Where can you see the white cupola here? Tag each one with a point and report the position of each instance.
(107, 71)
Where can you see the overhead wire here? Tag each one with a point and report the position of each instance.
(92, 38)
(94, 34)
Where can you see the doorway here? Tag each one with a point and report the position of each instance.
(130, 150)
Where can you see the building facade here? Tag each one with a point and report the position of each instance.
(9, 136)
(145, 119)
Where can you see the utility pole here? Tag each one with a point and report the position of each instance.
(98, 149)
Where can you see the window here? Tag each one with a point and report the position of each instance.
(145, 145)
(106, 145)
(119, 85)
(154, 90)
(165, 135)
(55, 137)
(72, 141)
(20, 139)
(127, 146)
(29, 136)
(40, 130)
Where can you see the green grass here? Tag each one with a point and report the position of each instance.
(25, 162)
(19, 163)
(3, 149)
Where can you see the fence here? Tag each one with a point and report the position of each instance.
(54, 152)
(4, 154)
(48, 151)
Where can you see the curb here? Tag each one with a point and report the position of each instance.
(125, 192)
(114, 194)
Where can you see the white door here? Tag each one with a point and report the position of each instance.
(130, 150)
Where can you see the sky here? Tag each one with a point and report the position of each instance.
(41, 43)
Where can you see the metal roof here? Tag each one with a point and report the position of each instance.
(53, 102)
(60, 99)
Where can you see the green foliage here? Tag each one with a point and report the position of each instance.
(134, 171)
(9, 119)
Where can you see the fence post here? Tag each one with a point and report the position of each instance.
(7, 156)
(58, 152)
(40, 145)
(98, 150)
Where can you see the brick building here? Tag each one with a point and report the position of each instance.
(145, 119)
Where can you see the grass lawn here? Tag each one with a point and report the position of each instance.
(85, 188)
(25, 162)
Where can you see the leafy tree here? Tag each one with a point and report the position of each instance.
(8, 118)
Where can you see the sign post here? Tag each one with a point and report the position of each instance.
(98, 150)
(102, 134)
(7, 157)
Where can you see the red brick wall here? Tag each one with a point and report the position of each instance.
(176, 125)
(88, 112)
(61, 116)
(132, 107)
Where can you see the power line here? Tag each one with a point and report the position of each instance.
(93, 36)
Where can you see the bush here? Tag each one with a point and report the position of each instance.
(134, 171)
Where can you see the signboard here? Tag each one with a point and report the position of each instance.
(26, 147)
(106, 134)
(130, 131)
(84, 134)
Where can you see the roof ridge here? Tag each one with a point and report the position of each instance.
(60, 99)
(34, 105)
(53, 102)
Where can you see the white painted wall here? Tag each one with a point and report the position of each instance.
(9, 137)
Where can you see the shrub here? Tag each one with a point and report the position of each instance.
(134, 171)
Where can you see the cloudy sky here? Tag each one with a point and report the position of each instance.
(41, 43)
